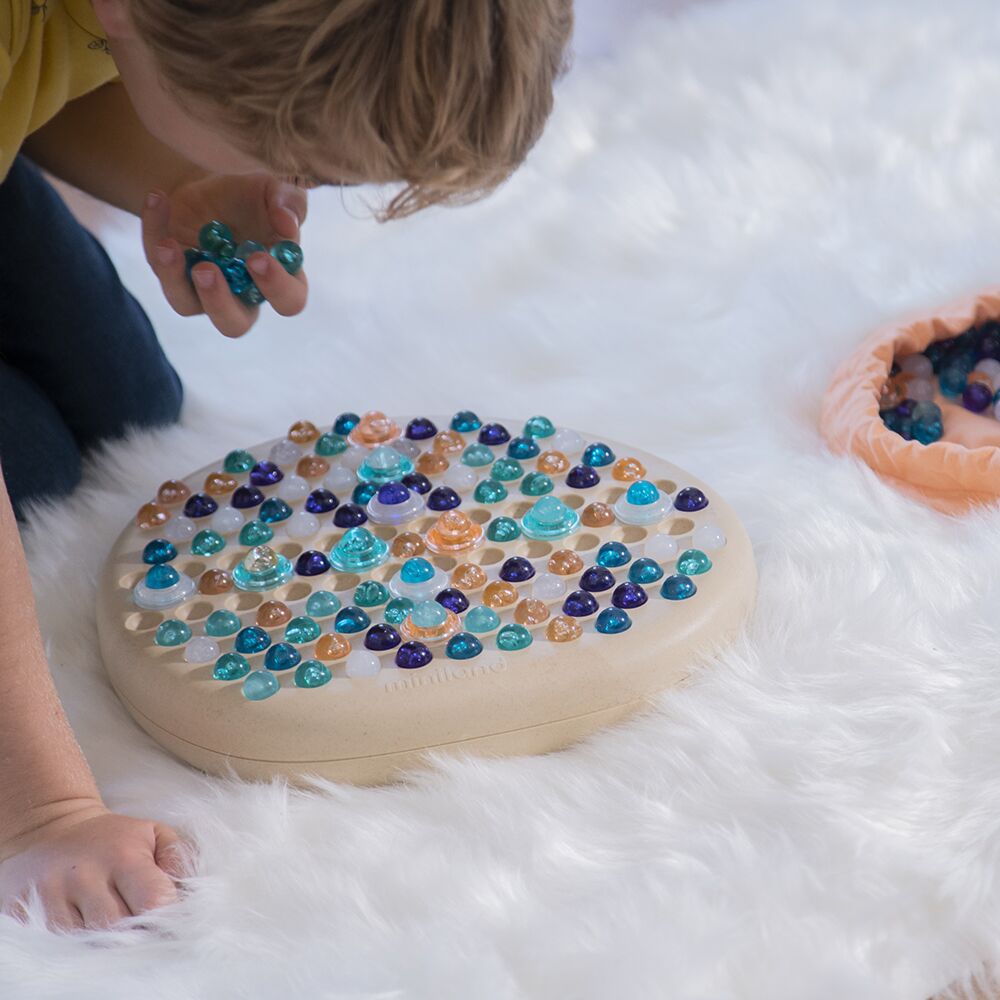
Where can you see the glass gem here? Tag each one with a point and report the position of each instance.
(398, 610)
(691, 562)
(384, 465)
(549, 587)
(481, 620)
(443, 498)
(708, 537)
(273, 510)
(477, 455)
(312, 674)
(516, 569)
(351, 620)
(220, 483)
(566, 441)
(349, 515)
(506, 470)
(641, 493)
(332, 647)
(215, 581)
(293, 487)
(200, 505)
(460, 478)
(373, 429)
(493, 434)
(531, 611)
(392, 494)
(500, 594)
(255, 533)
(381, 638)
(539, 427)
(159, 550)
(678, 588)
(523, 448)
(952, 381)
(282, 656)
(536, 484)
(302, 629)
(201, 649)
(597, 455)
(416, 571)
(465, 421)
(265, 474)
(412, 655)
(503, 529)
(247, 496)
(262, 569)
(288, 254)
(303, 432)
(452, 599)
(322, 604)
(580, 604)
(454, 532)
(563, 629)
(597, 578)
(431, 463)
(582, 477)
(172, 491)
(222, 623)
(417, 482)
(645, 571)
(363, 492)
(231, 667)
(468, 576)
(407, 447)
(549, 518)
(216, 237)
(252, 639)
(345, 423)
(613, 621)
(370, 594)
(238, 461)
(260, 684)
(690, 499)
(358, 550)
(302, 525)
(408, 544)
(927, 425)
(629, 596)
(207, 543)
(565, 562)
(330, 445)
(420, 429)
(976, 396)
(226, 520)
(628, 470)
(161, 577)
(597, 515)
(172, 632)
(272, 614)
(463, 646)
(662, 548)
(177, 529)
(512, 638)
(321, 501)
(362, 663)
(312, 467)
(552, 462)
(613, 555)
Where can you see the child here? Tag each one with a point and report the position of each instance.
(182, 112)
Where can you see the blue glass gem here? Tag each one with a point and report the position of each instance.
(311, 563)
(252, 639)
(200, 505)
(358, 550)
(536, 484)
(503, 529)
(692, 562)
(465, 421)
(429, 614)
(976, 397)
(397, 610)
(370, 594)
(231, 667)
(236, 274)
(159, 550)
(172, 632)
(582, 477)
(193, 257)
(493, 434)
(381, 637)
(161, 576)
(250, 294)
(416, 570)
(477, 455)
(516, 569)
(265, 474)
(927, 423)
(411, 655)
(952, 381)
(255, 533)
(273, 510)
(417, 482)
(248, 247)
(312, 674)
(512, 638)
(393, 493)
(345, 423)
(580, 604)
(690, 499)
(322, 604)
(260, 684)
(288, 255)
(629, 596)
(443, 498)
(321, 501)
(207, 543)
(420, 429)
(642, 493)
(613, 555)
(453, 600)
(523, 447)
(597, 578)
(645, 571)
(363, 492)
(506, 470)
(330, 444)
(350, 620)
(550, 518)
(384, 465)
(678, 588)
(238, 461)
(216, 237)
(349, 515)
(221, 623)
(539, 427)
(481, 619)
(463, 646)
(613, 621)
(597, 454)
(247, 496)
(282, 656)
(489, 491)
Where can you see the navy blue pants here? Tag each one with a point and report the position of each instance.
(79, 361)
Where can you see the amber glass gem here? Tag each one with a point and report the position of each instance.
(531, 612)
(407, 545)
(332, 647)
(151, 515)
(173, 491)
(565, 563)
(449, 443)
(374, 428)
(220, 483)
(500, 594)
(271, 614)
(312, 467)
(597, 515)
(215, 581)
(454, 531)
(563, 629)
(430, 463)
(468, 576)
(302, 432)
(628, 470)
(551, 462)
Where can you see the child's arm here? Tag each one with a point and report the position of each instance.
(91, 866)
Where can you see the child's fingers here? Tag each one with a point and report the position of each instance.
(230, 317)
(285, 292)
(166, 256)
(287, 206)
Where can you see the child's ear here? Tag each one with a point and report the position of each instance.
(114, 18)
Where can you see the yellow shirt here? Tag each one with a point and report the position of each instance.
(51, 51)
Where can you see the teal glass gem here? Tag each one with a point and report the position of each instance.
(481, 619)
(231, 667)
(252, 639)
(350, 620)
(691, 562)
(512, 638)
(358, 550)
(416, 570)
(322, 604)
(613, 621)
(288, 255)
(216, 237)
(363, 492)
(262, 569)
(302, 629)
(536, 484)
(330, 444)
(370, 594)
(260, 684)
(282, 656)
(207, 543)
(523, 447)
(159, 550)
(477, 455)
(255, 533)
(539, 427)
(220, 623)
(172, 632)
(489, 491)
(550, 518)
(161, 576)
(611, 555)
(641, 493)
(465, 421)
(506, 470)
(503, 529)
(429, 614)
(678, 588)
(597, 454)
(273, 510)
(239, 461)
(397, 610)
(312, 674)
(644, 571)
(248, 247)
(384, 465)
(463, 646)
(345, 423)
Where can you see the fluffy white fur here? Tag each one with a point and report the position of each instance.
(720, 210)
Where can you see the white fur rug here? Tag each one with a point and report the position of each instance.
(727, 200)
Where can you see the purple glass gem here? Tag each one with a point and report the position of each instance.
(453, 600)
(517, 569)
(580, 604)
(417, 482)
(381, 637)
(420, 429)
(976, 397)
(582, 477)
(200, 505)
(597, 578)
(493, 434)
(393, 493)
(311, 563)
(265, 474)
(349, 515)
(443, 498)
(628, 596)
(690, 499)
(905, 409)
(413, 654)
(321, 501)
(247, 496)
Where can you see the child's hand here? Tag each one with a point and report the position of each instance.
(92, 867)
(256, 207)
